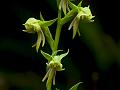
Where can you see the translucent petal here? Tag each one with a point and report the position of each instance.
(45, 77)
(38, 41)
(64, 5)
(75, 27)
(54, 78)
(72, 23)
(78, 32)
(43, 38)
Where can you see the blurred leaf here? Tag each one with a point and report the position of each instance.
(57, 89)
(75, 86)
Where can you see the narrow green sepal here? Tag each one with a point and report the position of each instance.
(62, 55)
(79, 5)
(72, 5)
(46, 55)
(38, 41)
(41, 17)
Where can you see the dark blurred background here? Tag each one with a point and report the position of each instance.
(94, 58)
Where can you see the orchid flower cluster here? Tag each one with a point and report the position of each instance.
(72, 13)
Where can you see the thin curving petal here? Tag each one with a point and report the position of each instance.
(41, 17)
(43, 38)
(72, 23)
(46, 75)
(79, 32)
(54, 78)
(64, 4)
(75, 27)
(38, 41)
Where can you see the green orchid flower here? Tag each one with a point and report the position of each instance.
(54, 64)
(84, 14)
(33, 25)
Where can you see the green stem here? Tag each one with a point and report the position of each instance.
(58, 30)
(60, 23)
(57, 36)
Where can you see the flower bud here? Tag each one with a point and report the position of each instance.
(85, 14)
(32, 25)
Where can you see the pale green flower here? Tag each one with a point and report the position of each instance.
(54, 64)
(33, 25)
(84, 14)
